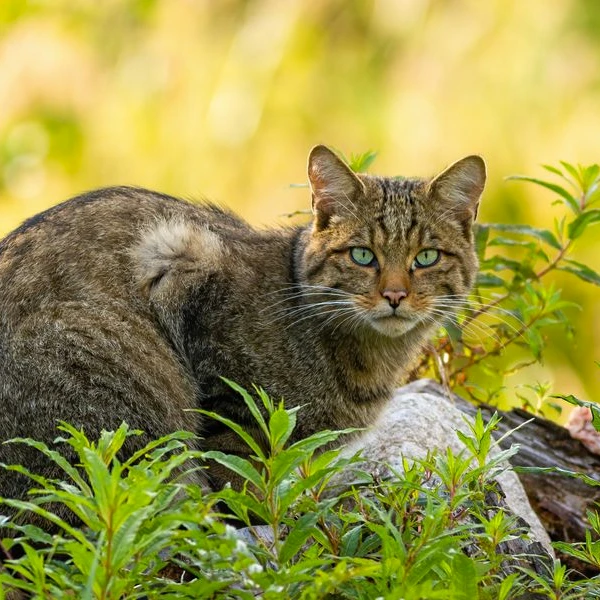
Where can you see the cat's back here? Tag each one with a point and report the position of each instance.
(78, 340)
(81, 249)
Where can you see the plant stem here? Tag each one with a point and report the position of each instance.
(549, 267)
(474, 360)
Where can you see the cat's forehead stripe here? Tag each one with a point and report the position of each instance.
(396, 211)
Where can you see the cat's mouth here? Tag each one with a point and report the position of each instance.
(393, 324)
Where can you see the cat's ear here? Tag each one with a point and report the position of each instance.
(333, 184)
(461, 185)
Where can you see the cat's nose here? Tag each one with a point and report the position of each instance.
(394, 296)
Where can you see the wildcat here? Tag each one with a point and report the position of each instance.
(124, 304)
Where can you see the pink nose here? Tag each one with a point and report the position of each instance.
(394, 296)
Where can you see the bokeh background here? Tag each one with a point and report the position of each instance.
(224, 98)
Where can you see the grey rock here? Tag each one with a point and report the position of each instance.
(422, 417)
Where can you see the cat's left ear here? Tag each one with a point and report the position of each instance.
(333, 184)
(461, 185)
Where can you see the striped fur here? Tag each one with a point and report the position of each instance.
(125, 304)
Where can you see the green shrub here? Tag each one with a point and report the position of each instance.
(503, 326)
(427, 533)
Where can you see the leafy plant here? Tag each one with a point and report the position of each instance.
(135, 519)
(515, 302)
(426, 532)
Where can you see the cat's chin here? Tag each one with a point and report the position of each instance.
(393, 326)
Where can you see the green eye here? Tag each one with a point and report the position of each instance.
(363, 257)
(427, 257)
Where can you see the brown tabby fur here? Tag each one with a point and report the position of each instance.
(127, 305)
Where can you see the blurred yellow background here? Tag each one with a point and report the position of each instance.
(224, 98)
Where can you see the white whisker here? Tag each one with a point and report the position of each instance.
(284, 312)
(312, 315)
(293, 293)
(475, 329)
(470, 305)
(350, 317)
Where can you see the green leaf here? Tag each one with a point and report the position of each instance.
(570, 550)
(33, 533)
(553, 170)
(557, 189)
(572, 171)
(594, 195)
(281, 426)
(301, 531)
(501, 263)
(590, 175)
(350, 541)
(238, 465)
(284, 463)
(75, 532)
(125, 537)
(330, 458)
(237, 429)
(489, 280)
(580, 270)
(482, 233)
(155, 449)
(578, 226)
(111, 442)
(455, 333)
(299, 486)
(558, 471)
(81, 559)
(359, 163)
(250, 403)
(103, 482)
(240, 503)
(321, 438)
(535, 341)
(541, 234)
(83, 506)
(594, 408)
(55, 457)
(503, 241)
(464, 578)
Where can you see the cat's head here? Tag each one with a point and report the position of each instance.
(390, 254)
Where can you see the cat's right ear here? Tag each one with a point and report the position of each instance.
(333, 184)
(461, 186)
